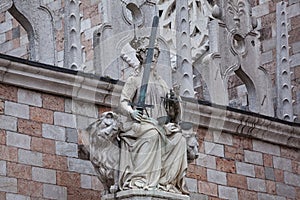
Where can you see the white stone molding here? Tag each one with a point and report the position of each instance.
(37, 20)
(183, 50)
(73, 52)
(89, 88)
(283, 73)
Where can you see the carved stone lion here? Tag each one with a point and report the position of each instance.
(105, 149)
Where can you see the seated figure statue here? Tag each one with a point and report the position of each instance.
(150, 150)
(153, 150)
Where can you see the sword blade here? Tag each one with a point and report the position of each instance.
(143, 90)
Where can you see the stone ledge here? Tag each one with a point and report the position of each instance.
(90, 88)
(145, 195)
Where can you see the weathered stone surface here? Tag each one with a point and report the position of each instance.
(29, 127)
(292, 179)
(55, 162)
(8, 123)
(54, 192)
(222, 138)
(41, 115)
(30, 157)
(238, 181)
(68, 179)
(16, 197)
(66, 149)
(53, 102)
(29, 97)
(30, 188)
(8, 184)
(85, 181)
(85, 109)
(228, 192)
(259, 172)
(2, 168)
(210, 189)
(43, 145)
(216, 177)
(19, 171)
(44, 175)
(263, 196)
(271, 187)
(80, 166)
(269, 172)
(8, 92)
(282, 163)
(214, 149)
(285, 190)
(18, 140)
(191, 184)
(253, 157)
(266, 148)
(8, 153)
(245, 169)
(71, 135)
(226, 165)
(16, 110)
(64, 119)
(255, 184)
(2, 137)
(268, 160)
(206, 161)
(54, 132)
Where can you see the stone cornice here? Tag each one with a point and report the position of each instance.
(106, 92)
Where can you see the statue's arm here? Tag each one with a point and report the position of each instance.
(128, 92)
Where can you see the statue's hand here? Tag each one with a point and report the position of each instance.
(136, 115)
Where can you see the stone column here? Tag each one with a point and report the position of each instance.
(183, 43)
(73, 48)
(283, 75)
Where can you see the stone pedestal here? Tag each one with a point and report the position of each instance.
(144, 195)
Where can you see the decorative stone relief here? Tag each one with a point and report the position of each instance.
(199, 12)
(37, 20)
(234, 48)
(283, 77)
(73, 48)
(123, 21)
(144, 145)
(191, 39)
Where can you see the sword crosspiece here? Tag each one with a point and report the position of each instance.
(141, 106)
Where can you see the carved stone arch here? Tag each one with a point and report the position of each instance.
(28, 27)
(251, 89)
(38, 23)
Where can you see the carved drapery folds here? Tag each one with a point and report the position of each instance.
(37, 20)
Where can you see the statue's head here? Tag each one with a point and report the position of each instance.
(192, 145)
(141, 45)
(109, 124)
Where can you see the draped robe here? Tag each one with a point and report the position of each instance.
(152, 156)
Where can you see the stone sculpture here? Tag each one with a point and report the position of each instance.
(104, 149)
(148, 150)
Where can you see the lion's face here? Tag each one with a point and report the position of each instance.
(192, 147)
(109, 125)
